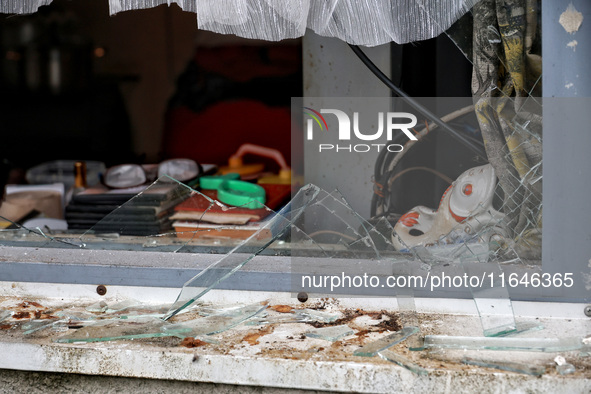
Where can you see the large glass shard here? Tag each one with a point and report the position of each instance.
(371, 349)
(506, 366)
(242, 254)
(110, 330)
(389, 355)
(296, 316)
(492, 300)
(562, 367)
(214, 324)
(331, 223)
(518, 344)
(332, 334)
(139, 216)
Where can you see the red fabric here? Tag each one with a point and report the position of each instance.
(217, 132)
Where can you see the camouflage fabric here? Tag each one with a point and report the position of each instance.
(506, 86)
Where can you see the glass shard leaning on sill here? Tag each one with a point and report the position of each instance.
(506, 366)
(222, 269)
(520, 344)
(121, 306)
(214, 324)
(372, 348)
(332, 334)
(111, 330)
(389, 355)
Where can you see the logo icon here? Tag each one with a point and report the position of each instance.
(317, 117)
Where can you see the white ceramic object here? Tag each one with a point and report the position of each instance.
(464, 210)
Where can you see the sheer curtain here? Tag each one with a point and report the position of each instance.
(361, 22)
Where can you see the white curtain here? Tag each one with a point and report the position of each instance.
(361, 22)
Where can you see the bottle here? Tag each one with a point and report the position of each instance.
(79, 177)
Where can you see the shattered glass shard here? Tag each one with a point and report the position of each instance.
(5, 315)
(506, 366)
(317, 316)
(522, 328)
(214, 324)
(492, 299)
(121, 306)
(372, 348)
(498, 343)
(38, 325)
(297, 316)
(110, 330)
(565, 369)
(332, 334)
(389, 355)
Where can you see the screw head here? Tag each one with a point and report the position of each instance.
(101, 290)
(302, 296)
(588, 311)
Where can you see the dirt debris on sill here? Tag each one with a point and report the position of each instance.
(286, 340)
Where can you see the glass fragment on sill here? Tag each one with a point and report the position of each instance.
(214, 324)
(115, 329)
(121, 306)
(98, 307)
(5, 315)
(330, 220)
(492, 299)
(547, 345)
(217, 272)
(296, 316)
(372, 348)
(506, 366)
(396, 358)
(562, 367)
(565, 369)
(141, 216)
(332, 334)
(521, 328)
(38, 325)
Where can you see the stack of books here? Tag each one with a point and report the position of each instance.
(139, 210)
(198, 217)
